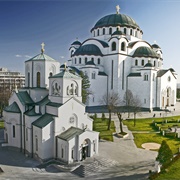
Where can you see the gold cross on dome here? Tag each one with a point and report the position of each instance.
(42, 47)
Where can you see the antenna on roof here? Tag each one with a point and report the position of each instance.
(42, 48)
(117, 9)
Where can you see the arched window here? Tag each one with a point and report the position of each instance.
(75, 61)
(142, 62)
(38, 79)
(123, 46)
(136, 34)
(28, 79)
(92, 59)
(93, 75)
(14, 133)
(72, 53)
(113, 47)
(145, 77)
(50, 74)
(67, 90)
(131, 32)
(94, 33)
(85, 60)
(104, 31)
(99, 61)
(98, 32)
(79, 60)
(110, 30)
(136, 62)
(124, 30)
(154, 63)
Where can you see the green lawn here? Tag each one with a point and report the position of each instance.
(172, 172)
(1, 124)
(101, 126)
(146, 125)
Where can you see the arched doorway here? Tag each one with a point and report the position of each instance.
(86, 149)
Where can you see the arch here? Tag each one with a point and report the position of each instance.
(99, 61)
(142, 62)
(79, 60)
(86, 148)
(125, 30)
(14, 131)
(98, 32)
(92, 59)
(52, 69)
(123, 46)
(85, 60)
(131, 32)
(113, 46)
(38, 67)
(38, 82)
(104, 31)
(154, 63)
(75, 61)
(50, 74)
(56, 89)
(110, 30)
(136, 62)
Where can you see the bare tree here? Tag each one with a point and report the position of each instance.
(136, 107)
(128, 101)
(111, 100)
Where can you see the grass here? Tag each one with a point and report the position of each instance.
(172, 172)
(1, 124)
(101, 126)
(146, 125)
(140, 138)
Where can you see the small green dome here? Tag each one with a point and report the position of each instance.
(118, 33)
(76, 43)
(144, 51)
(88, 49)
(116, 20)
(148, 65)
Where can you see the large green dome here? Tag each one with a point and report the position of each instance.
(116, 20)
(144, 51)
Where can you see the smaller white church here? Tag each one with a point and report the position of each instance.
(47, 119)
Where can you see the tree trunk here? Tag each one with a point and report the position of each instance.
(109, 123)
(134, 119)
(120, 122)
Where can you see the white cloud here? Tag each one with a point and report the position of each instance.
(27, 56)
(18, 55)
(62, 57)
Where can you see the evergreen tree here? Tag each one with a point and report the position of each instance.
(164, 154)
(85, 87)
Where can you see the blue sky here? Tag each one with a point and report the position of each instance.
(24, 25)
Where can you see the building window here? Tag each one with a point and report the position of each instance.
(94, 146)
(14, 133)
(75, 61)
(72, 53)
(136, 62)
(154, 63)
(94, 33)
(38, 79)
(110, 30)
(85, 60)
(92, 59)
(169, 78)
(50, 74)
(144, 101)
(112, 68)
(93, 75)
(62, 154)
(142, 62)
(103, 31)
(145, 77)
(36, 144)
(28, 79)
(99, 61)
(98, 32)
(113, 47)
(79, 60)
(136, 34)
(124, 30)
(26, 134)
(131, 32)
(72, 154)
(123, 47)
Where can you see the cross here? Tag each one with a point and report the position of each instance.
(117, 9)
(42, 47)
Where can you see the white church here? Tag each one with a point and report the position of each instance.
(116, 58)
(47, 119)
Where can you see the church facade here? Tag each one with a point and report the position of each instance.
(116, 58)
(47, 119)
